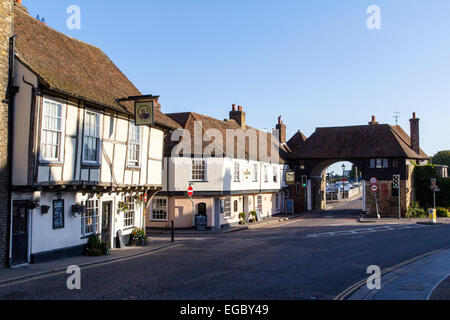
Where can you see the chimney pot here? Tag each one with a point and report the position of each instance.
(240, 108)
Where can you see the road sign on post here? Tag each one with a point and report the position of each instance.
(374, 188)
(190, 193)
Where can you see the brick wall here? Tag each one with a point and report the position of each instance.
(6, 26)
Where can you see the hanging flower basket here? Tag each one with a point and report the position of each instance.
(78, 209)
(123, 207)
(45, 209)
(34, 204)
(139, 199)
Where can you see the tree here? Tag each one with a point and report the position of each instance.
(442, 158)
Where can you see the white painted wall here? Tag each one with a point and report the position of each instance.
(220, 175)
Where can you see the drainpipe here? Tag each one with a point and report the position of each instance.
(12, 91)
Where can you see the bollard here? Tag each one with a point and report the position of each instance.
(172, 231)
(432, 215)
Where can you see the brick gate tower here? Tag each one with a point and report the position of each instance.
(6, 31)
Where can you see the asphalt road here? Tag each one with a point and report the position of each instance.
(296, 260)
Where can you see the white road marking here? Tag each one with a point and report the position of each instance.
(363, 231)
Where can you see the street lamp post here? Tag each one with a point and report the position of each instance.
(343, 184)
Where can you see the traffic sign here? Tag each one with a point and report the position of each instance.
(373, 180)
(374, 188)
(190, 191)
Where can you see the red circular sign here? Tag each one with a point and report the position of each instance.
(190, 191)
(374, 188)
(373, 180)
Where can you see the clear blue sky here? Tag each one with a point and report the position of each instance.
(313, 62)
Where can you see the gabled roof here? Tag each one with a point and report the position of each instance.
(72, 67)
(187, 121)
(370, 141)
(298, 139)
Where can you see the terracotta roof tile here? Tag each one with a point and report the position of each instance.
(368, 141)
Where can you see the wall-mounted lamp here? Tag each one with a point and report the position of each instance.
(59, 195)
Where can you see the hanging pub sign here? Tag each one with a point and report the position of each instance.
(144, 112)
(290, 177)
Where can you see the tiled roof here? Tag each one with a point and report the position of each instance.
(370, 141)
(73, 67)
(298, 139)
(187, 119)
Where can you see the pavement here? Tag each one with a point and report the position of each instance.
(32, 271)
(425, 278)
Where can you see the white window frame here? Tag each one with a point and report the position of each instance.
(62, 131)
(237, 172)
(131, 210)
(227, 205)
(266, 173)
(255, 172)
(100, 137)
(164, 208)
(131, 163)
(205, 170)
(85, 217)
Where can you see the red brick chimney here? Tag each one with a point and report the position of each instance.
(374, 121)
(238, 116)
(281, 127)
(415, 141)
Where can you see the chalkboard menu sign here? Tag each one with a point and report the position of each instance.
(289, 206)
(258, 215)
(120, 242)
(58, 214)
(201, 223)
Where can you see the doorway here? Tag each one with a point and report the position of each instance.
(19, 250)
(106, 220)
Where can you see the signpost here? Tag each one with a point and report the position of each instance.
(374, 188)
(190, 193)
(435, 189)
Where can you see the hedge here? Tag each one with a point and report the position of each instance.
(422, 184)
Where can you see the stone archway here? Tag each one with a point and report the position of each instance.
(318, 183)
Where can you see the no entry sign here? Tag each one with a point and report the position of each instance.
(190, 191)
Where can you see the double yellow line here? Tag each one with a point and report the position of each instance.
(352, 289)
